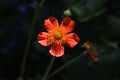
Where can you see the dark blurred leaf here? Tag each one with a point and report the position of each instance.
(89, 10)
(109, 53)
(114, 27)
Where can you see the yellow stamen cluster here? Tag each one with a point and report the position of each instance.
(58, 35)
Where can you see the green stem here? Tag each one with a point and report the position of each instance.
(67, 64)
(30, 38)
(49, 68)
(28, 44)
(40, 4)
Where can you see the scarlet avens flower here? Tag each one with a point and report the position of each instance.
(58, 35)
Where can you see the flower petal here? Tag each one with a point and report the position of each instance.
(72, 39)
(57, 50)
(50, 23)
(43, 39)
(68, 24)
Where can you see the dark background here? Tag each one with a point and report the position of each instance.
(97, 21)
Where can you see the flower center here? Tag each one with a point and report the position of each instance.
(58, 35)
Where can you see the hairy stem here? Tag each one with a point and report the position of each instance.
(30, 38)
(67, 64)
(49, 68)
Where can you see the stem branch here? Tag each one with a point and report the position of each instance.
(49, 68)
(67, 64)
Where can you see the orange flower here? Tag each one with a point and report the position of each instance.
(58, 35)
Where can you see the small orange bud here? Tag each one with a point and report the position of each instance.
(90, 50)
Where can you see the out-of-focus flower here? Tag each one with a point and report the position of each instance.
(32, 4)
(11, 44)
(58, 35)
(22, 8)
(90, 50)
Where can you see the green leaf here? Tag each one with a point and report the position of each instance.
(88, 11)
